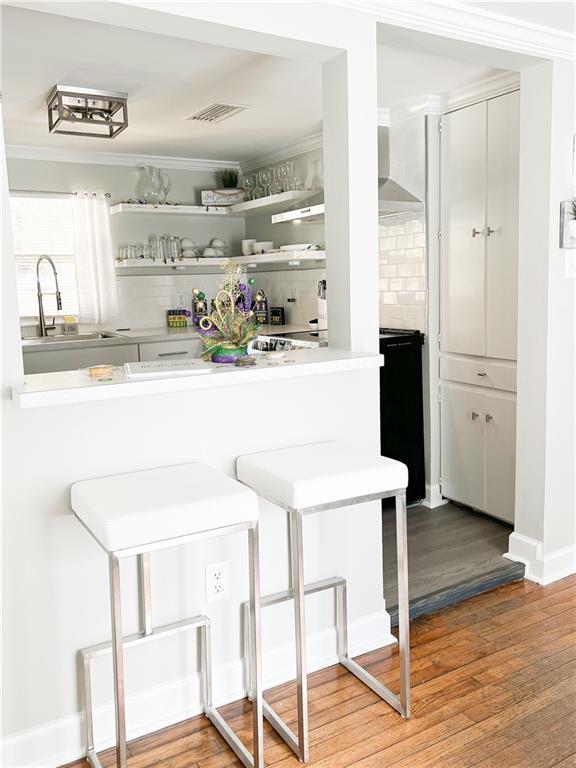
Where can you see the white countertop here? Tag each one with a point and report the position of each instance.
(139, 336)
(63, 387)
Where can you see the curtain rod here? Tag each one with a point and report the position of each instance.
(43, 193)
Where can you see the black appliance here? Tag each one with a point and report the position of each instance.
(401, 405)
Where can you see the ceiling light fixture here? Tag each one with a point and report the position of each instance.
(87, 112)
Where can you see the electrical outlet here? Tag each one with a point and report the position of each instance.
(217, 581)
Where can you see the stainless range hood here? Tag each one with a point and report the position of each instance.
(393, 199)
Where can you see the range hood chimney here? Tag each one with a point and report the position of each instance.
(392, 197)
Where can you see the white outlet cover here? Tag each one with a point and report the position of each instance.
(217, 581)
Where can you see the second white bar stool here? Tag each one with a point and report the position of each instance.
(136, 513)
(316, 478)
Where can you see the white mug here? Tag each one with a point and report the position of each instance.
(248, 247)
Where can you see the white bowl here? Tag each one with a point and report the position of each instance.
(210, 251)
(217, 242)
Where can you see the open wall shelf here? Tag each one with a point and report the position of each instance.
(262, 262)
(271, 204)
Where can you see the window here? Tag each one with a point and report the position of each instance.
(43, 225)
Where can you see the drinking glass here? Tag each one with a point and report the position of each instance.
(249, 184)
(283, 175)
(265, 178)
(275, 185)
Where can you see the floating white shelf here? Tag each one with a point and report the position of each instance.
(258, 262)
(178, 210)
(270, 204)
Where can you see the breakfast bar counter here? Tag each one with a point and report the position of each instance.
(64, 387)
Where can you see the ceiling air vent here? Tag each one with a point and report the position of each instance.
(216, 112)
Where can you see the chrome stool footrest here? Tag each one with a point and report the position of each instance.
(196, 622)
(339, 585)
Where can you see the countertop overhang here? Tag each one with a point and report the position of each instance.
(66, 387)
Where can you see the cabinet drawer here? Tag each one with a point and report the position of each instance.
(481, 373)
(171, 350)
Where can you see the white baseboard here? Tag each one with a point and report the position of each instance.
(433, 497)
(61, 741)
(541, 568)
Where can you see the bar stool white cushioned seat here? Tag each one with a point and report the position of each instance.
(318, 478)
(135, 513)
(138, 508)
(321, 473)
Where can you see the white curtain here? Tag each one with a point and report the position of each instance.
(97, 290)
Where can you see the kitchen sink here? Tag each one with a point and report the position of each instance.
(65, 337)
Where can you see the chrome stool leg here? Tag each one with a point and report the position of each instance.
(298, 590)
(403, 603)
(147, 633)
(297, 568)
(118, 661)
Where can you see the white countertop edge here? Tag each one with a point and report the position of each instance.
(310, 362)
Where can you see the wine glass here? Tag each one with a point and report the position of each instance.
(249, 184)
(283, 175)
(275, 186)
(265, 178)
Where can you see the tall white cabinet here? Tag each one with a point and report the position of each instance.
(478, 303)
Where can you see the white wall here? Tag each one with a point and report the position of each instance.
(545, 525)
(145, 299)
(61, 575)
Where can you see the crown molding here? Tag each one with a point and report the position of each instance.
(22, 152)
(460, 21)
(439, 104)
(307, 144)
(490, 87)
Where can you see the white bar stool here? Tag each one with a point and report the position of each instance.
(316, 478)
(137, 513)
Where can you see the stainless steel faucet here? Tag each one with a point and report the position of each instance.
(42, 327)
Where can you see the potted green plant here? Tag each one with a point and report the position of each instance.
(228, 178)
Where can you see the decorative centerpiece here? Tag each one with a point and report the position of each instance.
(231, 326)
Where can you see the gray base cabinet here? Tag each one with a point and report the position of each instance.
(44, 361)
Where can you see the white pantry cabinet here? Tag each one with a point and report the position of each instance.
(478, 448)
(479, 228)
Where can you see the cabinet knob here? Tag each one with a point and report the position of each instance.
(476, 232)
(474, 415)
(481, 373)
(490, 231)
(489, 418)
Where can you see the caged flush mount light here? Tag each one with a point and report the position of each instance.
(87, 112)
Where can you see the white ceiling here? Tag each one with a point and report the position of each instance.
(407, 76)
(558, 15)
(166, 79)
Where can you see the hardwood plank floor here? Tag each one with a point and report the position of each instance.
(453, 552)
(494, 686)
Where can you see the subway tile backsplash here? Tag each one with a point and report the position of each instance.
(403, 273)
(145, 299)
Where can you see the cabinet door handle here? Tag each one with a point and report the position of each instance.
(475, 415)
(172, 354)
(476, 232)
(481, 373)
(490, 231)
(489, 418)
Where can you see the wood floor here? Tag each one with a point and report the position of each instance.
(453, 553)
(494, 686)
